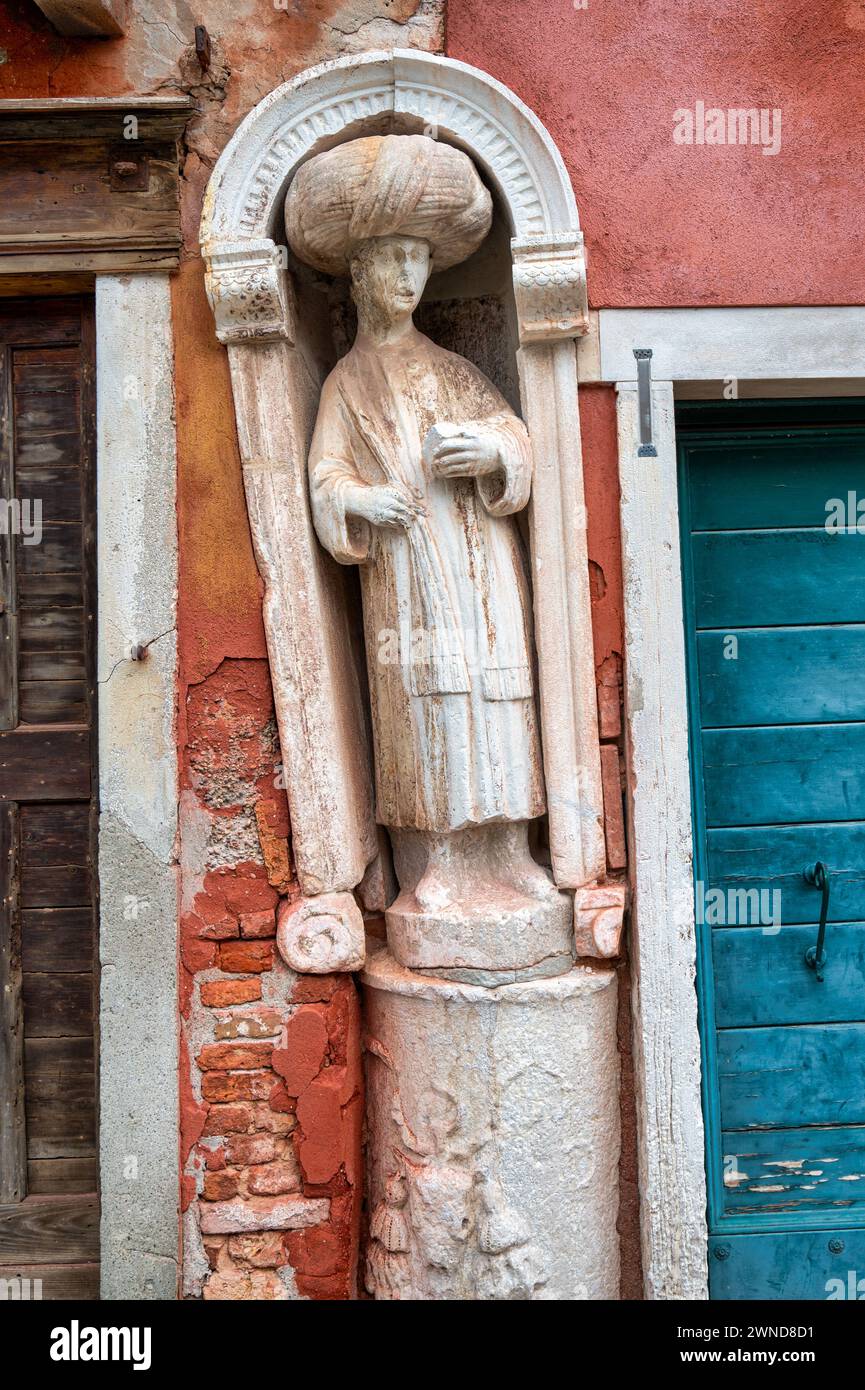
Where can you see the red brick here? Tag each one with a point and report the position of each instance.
(314, 989)
(214, 1159)
(213, 913)
(243, 1285)
(342, 1017)
(614, 824)
(242, 957)
(220, 1186)
(251, 1148)
(211, 931)
(220, 993)
(197, 954)
(259, 1021)
(258, 924)
(213, 1247)
(227, 1119)
(237, 1085)
(244, 895)
(263, 1250)
(332, 1288)
(272, 1122)
(235, 1056)
(270, 1179)
(283, 1213)
(279, 1100)
(319, 1251)
(302, 1049)
(319, 1115)
(609, 708)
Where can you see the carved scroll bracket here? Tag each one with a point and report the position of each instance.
(550, 287)
(319, 935)
(250, 291)
(599, 919)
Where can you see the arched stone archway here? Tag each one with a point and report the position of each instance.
(251, 296)
(495, 1060)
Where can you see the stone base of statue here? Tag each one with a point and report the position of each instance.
(475, 906)
(493, 1117)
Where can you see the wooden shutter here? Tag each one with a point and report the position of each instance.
(48, 1155)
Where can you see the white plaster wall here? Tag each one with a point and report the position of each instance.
(666, 1040)
(717, 344)
(138, 874)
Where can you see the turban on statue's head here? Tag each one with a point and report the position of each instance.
(386, 185)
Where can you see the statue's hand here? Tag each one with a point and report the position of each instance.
(384, 506)
(467, 453)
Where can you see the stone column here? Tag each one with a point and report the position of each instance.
(139, 1102)
(493, 1116)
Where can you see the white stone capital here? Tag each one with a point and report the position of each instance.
(249, 291)
(550, 286)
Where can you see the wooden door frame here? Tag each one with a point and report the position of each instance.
(779, 352)
(136, 781)
(17, 1152)
(124, 259)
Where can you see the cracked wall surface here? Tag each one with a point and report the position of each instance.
(268, 1081)
(271, 1090)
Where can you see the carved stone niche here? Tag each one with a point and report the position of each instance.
(514, 308)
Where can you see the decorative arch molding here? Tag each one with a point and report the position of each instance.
(411, 92)
(250, 290)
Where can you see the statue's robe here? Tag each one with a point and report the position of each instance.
(446, 604)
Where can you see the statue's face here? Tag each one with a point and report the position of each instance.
(389, 274)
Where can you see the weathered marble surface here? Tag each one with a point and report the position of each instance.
(251, 296)
(495, 1116)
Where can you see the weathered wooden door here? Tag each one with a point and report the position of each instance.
(774, 566)
(48, 1160)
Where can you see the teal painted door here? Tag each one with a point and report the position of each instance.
(773, 546)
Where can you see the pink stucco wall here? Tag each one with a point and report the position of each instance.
(699, 224)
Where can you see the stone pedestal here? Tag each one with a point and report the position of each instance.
(493, 1118)
(474, 906)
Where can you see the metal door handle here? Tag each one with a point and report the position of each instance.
(815, 956)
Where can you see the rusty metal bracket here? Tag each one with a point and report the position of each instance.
(202, 47)
(128, 169)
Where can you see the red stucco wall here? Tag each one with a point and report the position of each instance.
(670, 224)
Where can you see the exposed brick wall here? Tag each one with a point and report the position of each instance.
(272, 1100)
(276, 1160)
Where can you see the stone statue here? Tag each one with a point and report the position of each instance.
(416, 469)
